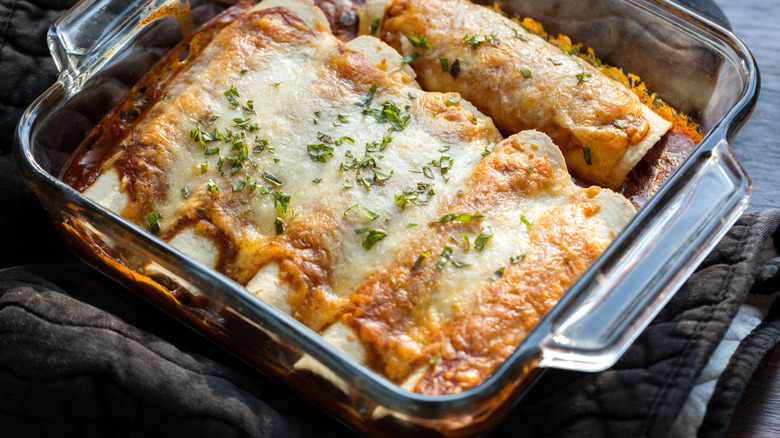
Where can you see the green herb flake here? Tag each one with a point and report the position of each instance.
(369, 98)
(374, 236)
(154, 223)
(459, 264)
(342, 118)
(483, 238)
(434, 359)
(516, 258)
(412, 95)
(618, 123)
(243, 71)
(455, 69)
(445, 64)
(275, 84)
(420, 259)
(529, 169)
(281, 201)
(317, 180)
(444, 257)
(213, 187)
(582, 77)
(232, 95)
(185, 193)
(453, 100)
(411, 57)
(319, 152)
(204, 167)
(498, 274)
(420, 41)
(364, 211)
(458, 217)
(586, 153)
(525, 221)
(517, 33)
(526, 72)
(279, 225)
(411, 225)
(272, 179)
(488, 149)
(375, 25)
(466, 242)
(554, 62)
(238, 186)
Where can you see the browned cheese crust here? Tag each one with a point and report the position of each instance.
(523, 82)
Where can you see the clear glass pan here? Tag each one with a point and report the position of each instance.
(103, 47)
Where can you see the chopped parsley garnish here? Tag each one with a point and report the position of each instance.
(529, 169)
(319, 152)
(272, 179)
(279, 225)
(618, 123)
(374, 236)
(281, 200)
(232, 95)
(453, 100)
(420, 41)
(238, 186)
(466, 242)
(366, 103)
(342, 118)
(243, 70)
(554, 62)
(213, 187)
(316, 180)
(488, 149)
(526, 72)
(364, 211)
(420, 259)
(476, 41)
(412, 95)
(458, 217)
(586, 154)
(525, 220)
(498, 274)
(434, 359)
(420, 195)
(459, 264)
(411, 225)
(444, 257)
(185, 193)
(453, 68)
(261, 145)
(582, 77)
(375, 25)
(204, 167)
(483, 238)
(411, 57)
(275, 84)
(154, 223)
(517, 258)
(517, 33)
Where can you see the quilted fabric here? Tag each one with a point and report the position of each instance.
(80, 356)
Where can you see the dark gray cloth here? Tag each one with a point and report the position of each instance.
(80, 356)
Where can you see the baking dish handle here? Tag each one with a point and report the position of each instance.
(93, 30)
(624, 290)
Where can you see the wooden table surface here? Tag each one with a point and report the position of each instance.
(757, 146)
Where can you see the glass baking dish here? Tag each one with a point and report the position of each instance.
(103, 47)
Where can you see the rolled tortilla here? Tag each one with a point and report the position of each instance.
(522, 82)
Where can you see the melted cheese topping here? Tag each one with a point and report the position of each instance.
(382, 216)
(524, 82)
